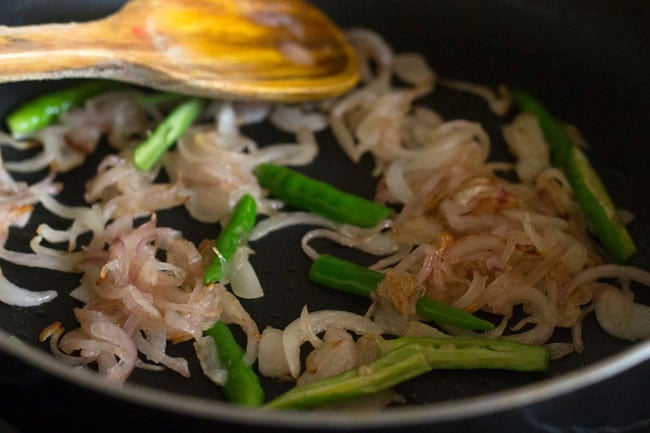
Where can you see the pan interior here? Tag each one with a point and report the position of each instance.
(604, 95)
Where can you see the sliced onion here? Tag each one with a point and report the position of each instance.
(293, 119)
(54, 333)
(621, 317)
(37, 162)
(397, 184)
(525, 140)
(282, 220)
(301, 153)
(251, 112)
(152, 344)
(377, 244)
(415, 328)
(11, 294)
(104, 342)
(559, 350)
(473, 293)
(294, 335)
(206, 352)
(58, 263)
(337, 354)
(371, 45)
(84, 294)
(243, 278)
(234, 312)
(608, 271)
(227, 120)
(272, 359)
(16, 142)
(412, 68)
(498, 104)
(92, 217)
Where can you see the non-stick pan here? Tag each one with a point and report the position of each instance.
(588, 60)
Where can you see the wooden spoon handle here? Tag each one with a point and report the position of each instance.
(46, 51)
(52, 51)
(273, 49)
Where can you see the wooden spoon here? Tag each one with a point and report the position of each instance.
(283, 50)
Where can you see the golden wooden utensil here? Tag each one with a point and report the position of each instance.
(283, 50)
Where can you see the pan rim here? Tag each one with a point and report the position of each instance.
(447, 411)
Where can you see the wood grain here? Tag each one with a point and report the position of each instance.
(282, 50)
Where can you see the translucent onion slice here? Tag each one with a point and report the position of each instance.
(412, 68)
(378, 243)
(206, 352)
(243, 278)
(57, 263)
(301, 153)
(397, 184)
(38, 162)
(271, 360)
(17, 143)
(152, 344)
(499, 103)
(11, 294)
(293, 119)
(251, 112)
(282, 220)
(123, 348)
(621, 317)
(621, 272)
(295, 335)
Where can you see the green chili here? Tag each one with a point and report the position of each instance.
(147, 154)
(241, 223)
(46, 109)
(588, 188)
(558, 140)
(242, 385)
(352, 278)
(404, 358)
(303, 192)
(603, 217)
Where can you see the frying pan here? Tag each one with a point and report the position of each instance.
(588, 60)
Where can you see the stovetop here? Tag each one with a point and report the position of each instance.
(34, 402)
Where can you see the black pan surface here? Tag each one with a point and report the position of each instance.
(588, 60)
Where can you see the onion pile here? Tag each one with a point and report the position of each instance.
(474, 239)
(465, 233)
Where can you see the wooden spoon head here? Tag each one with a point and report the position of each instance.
(282, 50)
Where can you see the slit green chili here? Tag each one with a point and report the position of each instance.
(404, 358)
(242, 385)
(352, 278)
(147, 154)
(304, 192)
(589, 190)
(232, 235)
(46, 109)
